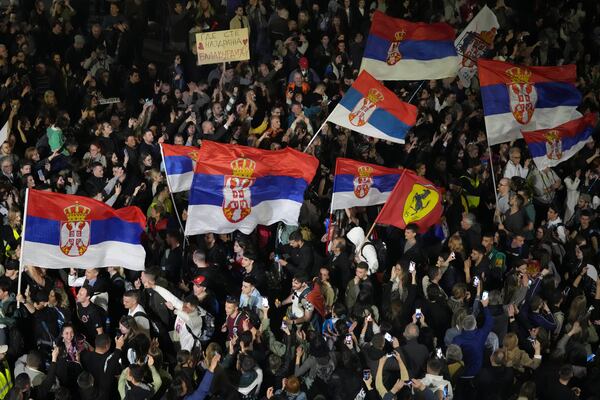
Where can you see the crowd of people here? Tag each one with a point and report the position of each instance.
(498, 301)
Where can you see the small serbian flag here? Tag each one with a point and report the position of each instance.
(413, 200)
(550, 147)
(372, 109)
(517, 98)
(63, 231)
(358, 184)
(179, 165)
(399, 50)
(238, 187)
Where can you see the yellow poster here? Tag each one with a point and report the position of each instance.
(222, 46)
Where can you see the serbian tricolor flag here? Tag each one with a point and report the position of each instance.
(238, 187)
(413, 200)
(399, 50)
(517, 98)
(372, 109)
(179, 164)
(359, 184)
(67, 231)
(550, 147)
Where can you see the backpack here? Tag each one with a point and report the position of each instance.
(208, 326)
(380, 250)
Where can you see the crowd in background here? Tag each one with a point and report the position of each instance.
(90, 88)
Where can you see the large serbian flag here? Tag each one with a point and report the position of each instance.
(238, 187)
(413, 200)
(63, 231)
(550, 147)
(358, 184)
(399, 50)
(372, 109)
(517, 98)
(179, 162)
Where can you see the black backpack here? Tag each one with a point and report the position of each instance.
(380, 250)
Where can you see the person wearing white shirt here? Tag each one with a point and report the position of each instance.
(513, 166)
(556, 225)
(131, 301)
(434, 379)
(188, 322)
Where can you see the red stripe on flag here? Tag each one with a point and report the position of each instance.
(386, 27)
(497, 72)
(405, 112)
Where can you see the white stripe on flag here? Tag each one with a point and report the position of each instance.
(181, 182)
(411, 70)
(505, 128)
(105, 254)
(204, 218)
(339, 116)
(344, 200)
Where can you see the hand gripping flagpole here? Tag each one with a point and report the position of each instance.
(20, 278)
(185, 239)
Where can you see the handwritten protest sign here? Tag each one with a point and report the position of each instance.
(222, 46)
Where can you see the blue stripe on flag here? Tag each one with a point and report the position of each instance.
(538, 149)
(383, 183)
(47, 231)
(549, 95)
(176, 165)
(208, 189)
(380, 119)
(422, 50)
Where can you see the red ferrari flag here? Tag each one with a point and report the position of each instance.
(413, 200)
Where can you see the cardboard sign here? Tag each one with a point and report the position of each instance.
(222, 46)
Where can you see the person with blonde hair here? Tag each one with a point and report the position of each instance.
(517, 358)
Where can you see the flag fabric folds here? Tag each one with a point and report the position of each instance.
(359, 184)
(550, 147)
(517, 98)
(476, 41)
(238, 187)
(370, 108)
(413, 200)
(179, 164)
(62, 231)
(397, 49)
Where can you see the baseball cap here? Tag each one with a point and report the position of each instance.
(303, 62)
(199, 280)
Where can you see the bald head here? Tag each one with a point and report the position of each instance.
(411, 331)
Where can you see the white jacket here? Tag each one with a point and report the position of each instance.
(184, 321)
(366, 253)
(436, 382)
